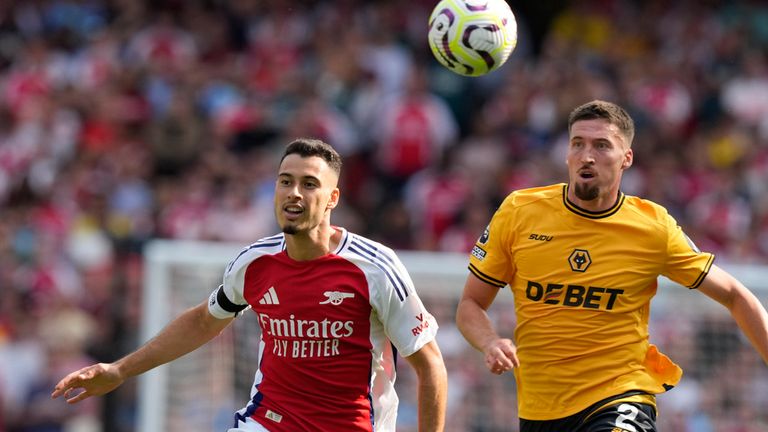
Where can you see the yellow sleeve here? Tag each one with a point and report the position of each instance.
(491, 259)
(686, 264)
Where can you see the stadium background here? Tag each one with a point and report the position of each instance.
(122, 121)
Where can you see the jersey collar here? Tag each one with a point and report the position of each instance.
(592, 214)
(343, 241)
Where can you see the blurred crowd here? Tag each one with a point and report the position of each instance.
(123, 121)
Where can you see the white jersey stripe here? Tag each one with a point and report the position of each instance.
(270, 297)
(276, 240)
(389, 270)
(382, 256)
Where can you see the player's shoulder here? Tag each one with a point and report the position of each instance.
(534, 195)
(646, 208)
(372, 256)
(380, 264)
(367, 249)
(265, 246)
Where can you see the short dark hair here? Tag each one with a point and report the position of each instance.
(599, 109)
(308, 147)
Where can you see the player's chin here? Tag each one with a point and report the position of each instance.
(289, 228)
(586, 190)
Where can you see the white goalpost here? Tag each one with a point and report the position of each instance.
(201, 391)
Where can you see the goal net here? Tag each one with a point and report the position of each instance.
(724, 387)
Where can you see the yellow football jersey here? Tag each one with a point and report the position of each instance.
(582, 283)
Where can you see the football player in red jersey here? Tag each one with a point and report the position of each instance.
(335, 309)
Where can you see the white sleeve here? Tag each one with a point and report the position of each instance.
(407, 323)
(227, 300)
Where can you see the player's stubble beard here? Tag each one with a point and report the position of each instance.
(293, 228)
(585, 192)
(290, 229)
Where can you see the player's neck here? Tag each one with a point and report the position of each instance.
(312, 244)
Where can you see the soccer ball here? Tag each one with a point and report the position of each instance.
(472, 37)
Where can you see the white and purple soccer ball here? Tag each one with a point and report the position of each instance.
(472, 37)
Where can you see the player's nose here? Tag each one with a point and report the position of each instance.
(587, 156)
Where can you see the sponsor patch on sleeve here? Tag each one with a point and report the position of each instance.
(275, 417)
(478, 253)
(484, 238)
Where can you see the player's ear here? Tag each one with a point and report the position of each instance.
(628, 159)
(334, 200)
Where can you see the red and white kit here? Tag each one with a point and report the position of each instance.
(331, 329)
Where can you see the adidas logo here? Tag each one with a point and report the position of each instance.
(270, 297)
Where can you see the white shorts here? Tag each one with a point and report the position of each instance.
(249, 425)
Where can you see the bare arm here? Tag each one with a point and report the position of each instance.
(745, 308)
(473, 322)
(433, 387)
(187, 332)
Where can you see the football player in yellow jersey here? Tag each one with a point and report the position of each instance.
(582, 260)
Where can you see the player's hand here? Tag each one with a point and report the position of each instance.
(501, 356)
(94, 380)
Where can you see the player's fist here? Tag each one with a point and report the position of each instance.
(94, 380)
(501, 356)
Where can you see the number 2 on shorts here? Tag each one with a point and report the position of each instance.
(626, 412)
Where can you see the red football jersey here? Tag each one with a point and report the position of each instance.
(330, 329)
